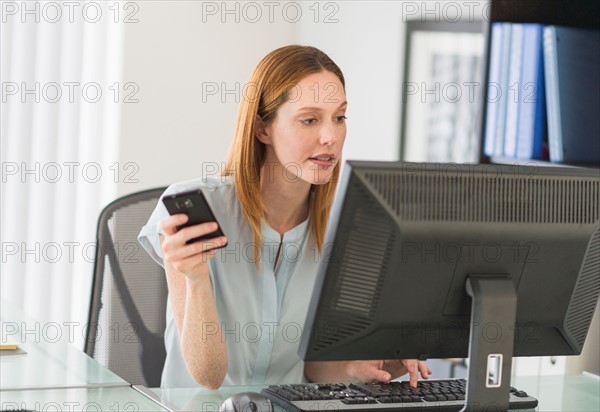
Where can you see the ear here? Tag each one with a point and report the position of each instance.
(260, 130)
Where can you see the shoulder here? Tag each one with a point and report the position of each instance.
(219, 192)
(206, 184)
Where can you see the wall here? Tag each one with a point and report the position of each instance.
(172, 54)
(367, 42)
(177, 46)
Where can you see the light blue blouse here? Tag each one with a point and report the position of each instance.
(262, 313)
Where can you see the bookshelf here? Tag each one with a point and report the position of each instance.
(578, 14)
(570, 134)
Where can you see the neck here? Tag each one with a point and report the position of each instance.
(286, 197)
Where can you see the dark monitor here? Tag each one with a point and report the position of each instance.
(408, 244)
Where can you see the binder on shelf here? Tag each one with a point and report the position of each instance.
(514, 90)
(532, 104)
(494, 89)
(504, 88)
(572, 70)
(498, 89)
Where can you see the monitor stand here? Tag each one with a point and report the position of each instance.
(491, 344)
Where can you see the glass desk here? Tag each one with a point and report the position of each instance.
(46, 364)
(78, 399)
(53, 365)
(191, 399)
(573, 393)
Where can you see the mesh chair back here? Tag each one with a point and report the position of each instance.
(129, 294)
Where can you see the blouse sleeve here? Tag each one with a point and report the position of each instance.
(149, 235)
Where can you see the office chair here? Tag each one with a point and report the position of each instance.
(129, 294)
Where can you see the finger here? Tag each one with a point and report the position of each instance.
(169, 225)
(424, 370)
(186, 251)
(395, 367)
(195, 231)
(413, 372)
(190, 264)
(369, 373)
(381, 376)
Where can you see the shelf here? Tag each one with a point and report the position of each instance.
(542, 163)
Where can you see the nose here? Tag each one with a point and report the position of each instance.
(328, 134)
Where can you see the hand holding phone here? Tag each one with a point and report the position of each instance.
(194, 205)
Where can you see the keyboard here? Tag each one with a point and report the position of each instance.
(432, 395)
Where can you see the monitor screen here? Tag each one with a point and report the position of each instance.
(403, 239)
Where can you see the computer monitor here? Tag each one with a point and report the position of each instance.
(407, 243)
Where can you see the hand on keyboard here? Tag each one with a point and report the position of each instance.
(385, 371)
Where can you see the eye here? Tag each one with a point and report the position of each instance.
(308, 122)
(341, 119)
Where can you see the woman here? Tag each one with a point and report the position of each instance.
(235, 314)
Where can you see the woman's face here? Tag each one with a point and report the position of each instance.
(308, 132)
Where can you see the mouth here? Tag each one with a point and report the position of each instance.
(323, 160)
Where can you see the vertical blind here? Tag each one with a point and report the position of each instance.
(60, 69)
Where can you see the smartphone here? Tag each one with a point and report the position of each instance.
(195, 206)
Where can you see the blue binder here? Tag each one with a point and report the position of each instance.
(532, 104)
(572, 70)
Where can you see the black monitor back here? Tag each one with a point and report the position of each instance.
(403, 237)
